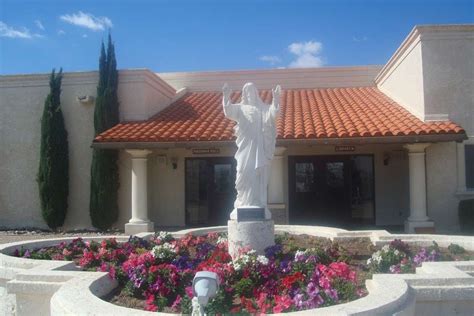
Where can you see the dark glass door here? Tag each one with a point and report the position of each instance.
(210, 190)
(330, 190)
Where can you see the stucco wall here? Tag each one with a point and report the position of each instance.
(441, 186)
(404, 81)
(21, 105)
(167, 188)
(448, 69)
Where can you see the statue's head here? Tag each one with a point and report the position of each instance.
(250, 95)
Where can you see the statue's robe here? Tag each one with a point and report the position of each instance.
(256, 135)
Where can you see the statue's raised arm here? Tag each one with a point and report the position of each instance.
(275, 106)
(230, 110)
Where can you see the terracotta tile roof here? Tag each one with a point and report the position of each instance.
(304, 114)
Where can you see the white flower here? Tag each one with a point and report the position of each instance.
(396, 252)
(251, 252)
(299, 255)
(237, 266)
(221, 240)
(160, 251)
(386, 248)
(263, 260)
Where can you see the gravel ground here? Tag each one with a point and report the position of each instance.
(7, 236)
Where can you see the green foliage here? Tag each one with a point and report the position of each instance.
(53, 173)
(244, 287)
(455, 249)
(466, 216)
(104, 170)
(346, 290)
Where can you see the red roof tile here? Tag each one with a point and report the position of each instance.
(304, 114)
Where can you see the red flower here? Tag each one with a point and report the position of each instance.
(247, 304)
(262, 303)
(282, 303)
(291, 279)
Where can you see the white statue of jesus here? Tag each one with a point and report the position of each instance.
(256, 136)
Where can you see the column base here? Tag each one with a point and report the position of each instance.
(410, 226)
(141, 227)
(256, 235)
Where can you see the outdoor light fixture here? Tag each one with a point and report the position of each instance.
(205, 286)
(85, 99)
(174, 162)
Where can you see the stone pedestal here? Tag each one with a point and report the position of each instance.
(256, 235)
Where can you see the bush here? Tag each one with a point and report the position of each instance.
(466, 216)
(103, 206)
(53, 173)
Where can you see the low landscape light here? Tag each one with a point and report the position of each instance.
(205, 286)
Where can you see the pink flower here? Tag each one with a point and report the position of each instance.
(189, 291)
(282, 303)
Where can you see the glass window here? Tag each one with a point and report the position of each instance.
(469, 155)
(304, 174)
(223, 178)
(362, 187)
(335, 174)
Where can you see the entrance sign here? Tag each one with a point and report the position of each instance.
(204, 151)
(345, 148)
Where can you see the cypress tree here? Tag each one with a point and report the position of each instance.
(104, 170)
(53, 174)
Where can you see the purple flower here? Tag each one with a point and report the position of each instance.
(332, 293)
(272, 251)
(27, 254)
(312, 289)
(395, 269)
(285, 266)
(298, 301)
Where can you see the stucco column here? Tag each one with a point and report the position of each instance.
(417, 174)
(139, 222)
(276, 186)
(461, 167)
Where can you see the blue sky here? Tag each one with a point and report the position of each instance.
(165, 36)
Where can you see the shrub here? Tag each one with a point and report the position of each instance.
(456, 249)
(466, 216)
(53, 173)
(104, 169)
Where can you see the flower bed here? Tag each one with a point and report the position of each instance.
(398, 257)
(299, 272)
(157, 275)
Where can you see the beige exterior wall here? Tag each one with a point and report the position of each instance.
(166, 189)
(325, 77)
(21, 105)
(448, 69)
(404, 81)
(441, 186)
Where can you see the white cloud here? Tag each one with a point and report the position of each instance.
(87, 20)
(272, 60)
(39, 25)
(8, 31)
(61, 32)
(307, 54)
(359, 39)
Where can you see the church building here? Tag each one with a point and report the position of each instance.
(356, 147)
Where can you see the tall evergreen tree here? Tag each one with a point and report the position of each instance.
(53, 174)
(104, 170)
